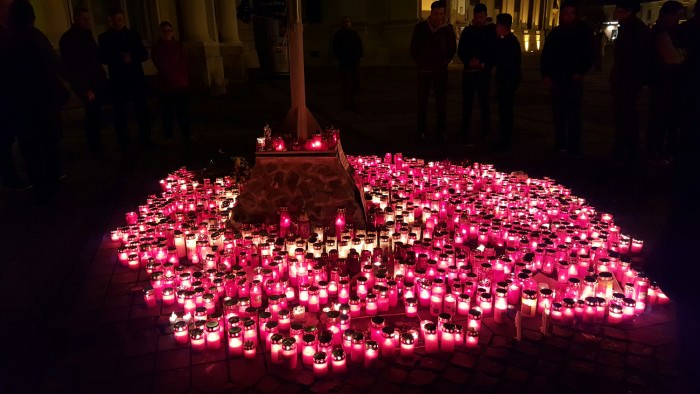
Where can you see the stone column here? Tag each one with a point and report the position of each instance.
(205, 60)
(52, 18)
(231, 45)
(194, 20)
(536, 15)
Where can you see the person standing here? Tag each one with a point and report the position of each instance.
(82, 68)
(507, 59)
(566, 57)
(171, 61)
(347, 47)
(665, 83)
(475, 49)
(690, 41)
(628, 76)
(38, 95)
(122, 50)
(433, 45)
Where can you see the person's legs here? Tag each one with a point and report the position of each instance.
(423, 86)
(559, 107)
(120, 97)
(574, 96)
(469, 87)
(143, 117)
(653, 138)
(93, 125)
(506, 101)
(346, 86)
(8, 173)
(167, 111)
(484, 93)
(440, 81)
(182, 111)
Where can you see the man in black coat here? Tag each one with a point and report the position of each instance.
(122, 50)
(507, 59)
(629, 74)
(83, 70)
(347, 47)
(8, 173)
(567, 55)
(476, 46)
(433, 45)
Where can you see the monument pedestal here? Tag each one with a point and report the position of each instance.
(318, 182)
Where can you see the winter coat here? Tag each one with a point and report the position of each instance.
(507, 59)
(568, 50)
(477, 42)
(171, 61)
(114, 44)
(80, 61)
(347, 47)
(632, 53)
(433, 49)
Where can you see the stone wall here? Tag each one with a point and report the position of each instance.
(315, 182)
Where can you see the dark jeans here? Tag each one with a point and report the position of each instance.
(8, 173)
(93, 124)
(506, 102)
(350, 83)
(38, 136)
(175, 105)
(626, 123)
(665, 112)
(122, 94)
(566, 111)
(476, 83)
(438, 80)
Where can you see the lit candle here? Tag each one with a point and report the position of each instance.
(474, 320)
(545, 300)
(309, 350)
(501, 305)
(235, 342)
(447, 341)
(289, 353)
(213, 335)
(629, 309)
(463, 304)
(370, 305)
(430, 338)
(407, 345)
(615, 314)
(472, 339)
(357, 354)
(371, 353)
(411, 307)
(589, 312)
(435, 304)
(528, 307)
(180, 331)
(249, 350)
(149, 297)
(197, 341)
(388, 349)
(338, 361)
(320, 364)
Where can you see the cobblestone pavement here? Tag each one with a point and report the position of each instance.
(75, 321)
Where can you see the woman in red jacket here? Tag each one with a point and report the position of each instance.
(171, 61)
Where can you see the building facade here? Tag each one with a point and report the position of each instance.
(221, 36)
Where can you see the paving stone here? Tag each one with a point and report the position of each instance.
(561, 331)
(443, 386)
(490, 366)
(136, 385)
(384, 387)
(497, 353)
(554, 354)
(641, 362)
(613, 332)
(421, 377)
(483, 381)
(611, 358)
(208, 377)
(517, 374)
(522, 361)
(209, 356)
(167, 342)
(455, 375)
(173, 359)
(639, 378)
(246, 372)
(137, 365)
(581, 367)
(527, 348)
(539, 383)
(394, 374)
(463, 360)
(654, 335)
(408, 361)
(640, 349)
(432, 363)
(613, 345)
(113, 315)
(360, 379)
(582, 337)
(582, 351)
(611, 372)
(501, 341)
(304, 376)
(557, 342)
(269, 384)
(533, 336)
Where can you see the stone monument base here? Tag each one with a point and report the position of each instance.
(316, 182)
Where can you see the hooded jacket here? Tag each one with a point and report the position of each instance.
(433, 49)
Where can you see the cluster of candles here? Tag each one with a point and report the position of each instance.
(318, 141)
(447, 243)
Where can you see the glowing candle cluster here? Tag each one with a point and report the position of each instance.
(449, 243)
(318, 141)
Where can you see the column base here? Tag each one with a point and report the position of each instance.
(235, 68)
(206, 67)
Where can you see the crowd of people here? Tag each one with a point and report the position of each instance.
(664, 58)
(33, 90)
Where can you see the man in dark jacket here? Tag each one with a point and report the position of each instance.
(629, 73)
(433, 45)
(8, 173)
(122, 50)
(507, 59)
(38, 95)
(476, 52)
(567, 55)
(83, 70)
(347, 47)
